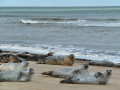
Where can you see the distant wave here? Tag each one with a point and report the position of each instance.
(100, 24)
(64, 50)
(33, 22)
(78, 22)
(109, 19)
(48, 22)
(13, 15)
(55, 19)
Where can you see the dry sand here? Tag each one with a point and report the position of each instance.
(40, 82)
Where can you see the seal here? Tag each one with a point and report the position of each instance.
(67, 72)
(1, 51)
(14, 66)
(59, 60)
(90, 78)
(104, 63)
(33, 57)
(8, 57)
(18, 76)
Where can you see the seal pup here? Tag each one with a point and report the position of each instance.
(14, 66)
(18, 76)
(104, 63)
(67, 72)
(59, 60)
(90, 78)
(7, 57)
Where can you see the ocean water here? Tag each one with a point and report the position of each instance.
(88, 32)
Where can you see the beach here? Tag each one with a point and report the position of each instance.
(40, 82)
(91, 33)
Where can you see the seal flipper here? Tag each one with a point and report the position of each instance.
(66, 81)
(20, 75)
(47, 73)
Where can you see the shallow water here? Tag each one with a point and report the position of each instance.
(90, 33)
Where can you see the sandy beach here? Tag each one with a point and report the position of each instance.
(40, 82)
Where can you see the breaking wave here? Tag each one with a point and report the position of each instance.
(64, 50)
(76, 22)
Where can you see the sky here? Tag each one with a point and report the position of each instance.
(59, 3)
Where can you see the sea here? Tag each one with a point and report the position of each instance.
(87, 32)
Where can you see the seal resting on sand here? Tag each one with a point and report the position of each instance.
(59, 60)
(18, 76)
(6, 57)
(67, 72)
(104, 63)
(14, 66)
(90, 78)
(33, 57)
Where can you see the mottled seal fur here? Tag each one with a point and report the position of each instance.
(90, 78)
(67, 72)
(59, 60)
(33, 57)
(18, 76)
(1, 51)
(14, 66)
(7, 57)
(104, 63)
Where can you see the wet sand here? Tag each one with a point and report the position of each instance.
(40, 82)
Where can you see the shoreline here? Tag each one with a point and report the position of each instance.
(40, 82)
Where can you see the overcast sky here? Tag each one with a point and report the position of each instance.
(59, 2)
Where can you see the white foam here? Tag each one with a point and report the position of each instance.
(33, 22)
(78, 22)
(60, 50)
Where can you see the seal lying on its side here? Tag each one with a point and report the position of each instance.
(59, 60)
(67, 72)
(33, 57)
(104, 63)
(19, 76)
(90, 78)
(14, 66)
(7, 57)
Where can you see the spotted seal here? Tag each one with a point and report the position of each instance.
(8, 57)
(59, 60)
(90, 78)
(33, 57)
(104, 63)
(67, 72)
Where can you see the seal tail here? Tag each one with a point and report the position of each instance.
(47, 73)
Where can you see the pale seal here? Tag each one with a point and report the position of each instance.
(104, 63)
(67, 72)
(90, 78)
(59, 60)
(14, 66)
(18, 76)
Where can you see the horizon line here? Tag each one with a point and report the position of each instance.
(60, 6)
